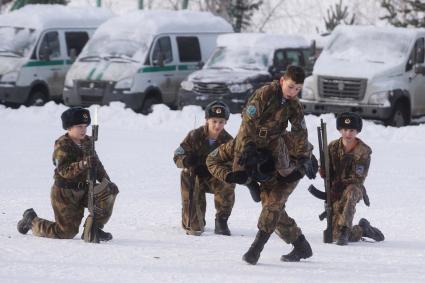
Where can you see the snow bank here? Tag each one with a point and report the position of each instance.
(262, 41)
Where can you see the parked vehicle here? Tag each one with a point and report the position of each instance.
(37, 46)
(241, 63)
(377, 72)
(141, 58)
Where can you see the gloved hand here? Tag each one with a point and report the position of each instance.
(191, 160)
(88, 162)
(202, 171)
(310, 166)
(238, 177)
(249, 155)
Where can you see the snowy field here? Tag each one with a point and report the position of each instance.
(149, 244)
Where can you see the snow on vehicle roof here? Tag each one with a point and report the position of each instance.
(262, 40)
(55, 16)
(137, 24)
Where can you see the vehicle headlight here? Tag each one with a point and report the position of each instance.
(11, 77)
(124, 83)
(238, 88)
(187, 85)
(380, 98)
(307, 93)
(69, 82)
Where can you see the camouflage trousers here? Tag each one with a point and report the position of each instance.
(343, 213)
(273, 216)
(224, 199)
(68, 207)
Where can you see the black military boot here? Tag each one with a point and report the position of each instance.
(370, 231)
(221, 227)
(343, 237)
(103, 236)
(253, 254)
(254, 190)
(25, 224)
(302, 249)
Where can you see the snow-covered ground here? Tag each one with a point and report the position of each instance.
(150, 246)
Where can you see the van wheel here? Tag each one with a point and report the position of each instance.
(148, 104)
(37, 98)
(400, 116)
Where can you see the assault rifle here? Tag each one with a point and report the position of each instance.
(90, 230)
(326, 196)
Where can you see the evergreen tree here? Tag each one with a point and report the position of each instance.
(241, 12)
(338, 15)
(405, 13)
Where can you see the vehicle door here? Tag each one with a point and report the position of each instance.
(49, 64)
(417, 80)
(164, 67)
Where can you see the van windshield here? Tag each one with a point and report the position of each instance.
(106, 48)
(375, 47)
(16, 41)
(240, 58)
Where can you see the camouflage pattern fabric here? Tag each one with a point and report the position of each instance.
(348, 172)
(274, 194)
(196, 142)
(266, 117)
(69, 203)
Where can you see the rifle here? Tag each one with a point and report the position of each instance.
(326, 196)
(91, 235)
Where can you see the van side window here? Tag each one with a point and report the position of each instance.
(189, 49)
(162, 51)
(51, 44)
(75, 40)
(417, 54)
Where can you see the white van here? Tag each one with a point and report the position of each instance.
(377, 72)
(141, 58)
(37, 46)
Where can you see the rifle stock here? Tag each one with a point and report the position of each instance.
(324, 162)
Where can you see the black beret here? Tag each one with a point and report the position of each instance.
(349, 120)
(217, 109)
(75, 116)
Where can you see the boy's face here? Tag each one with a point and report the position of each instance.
(290, 89)
(216, 125)
(77, 132)
(348, 134)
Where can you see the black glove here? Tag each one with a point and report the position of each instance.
(254, 190)
(88, 162)
(202, 171)
(311, 166)
(191, 160)
(294, 176)
(249, 155)
(238, 177)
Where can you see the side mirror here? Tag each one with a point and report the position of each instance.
(45, 53)
(419, 69)
(73, 54)
(200, 64)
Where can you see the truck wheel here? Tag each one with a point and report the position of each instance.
(400, 116)
(36, 98)
(148, 103)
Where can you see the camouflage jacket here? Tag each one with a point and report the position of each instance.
(196, 142)
(266, 117)
(66, 158)
(348, 168)
(219, 161)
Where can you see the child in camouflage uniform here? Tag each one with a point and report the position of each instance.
(349, 160)
(69, 192)
(196, 180)
(275, 189)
